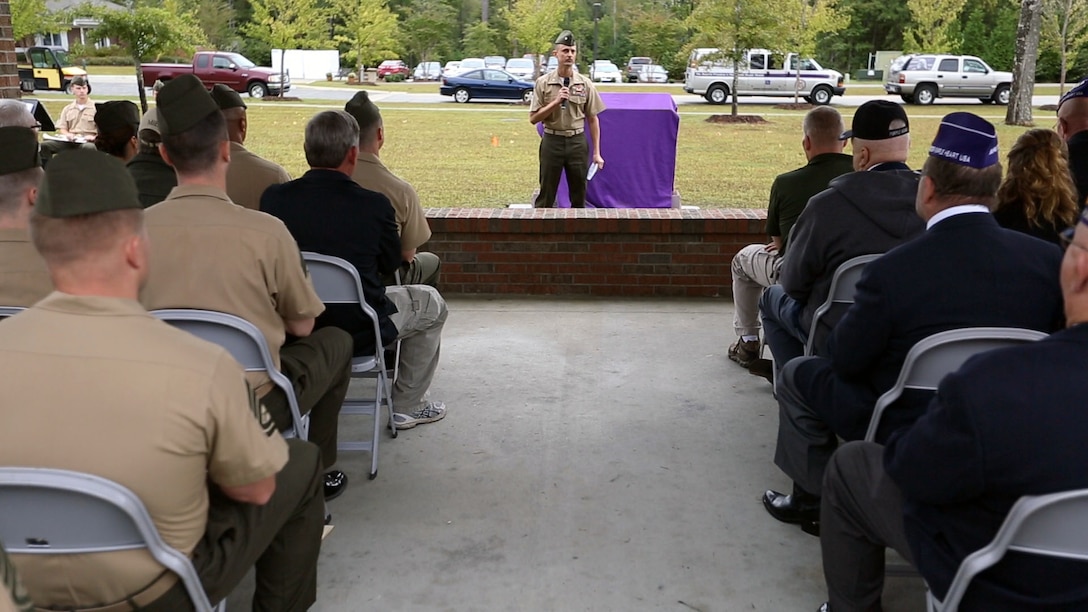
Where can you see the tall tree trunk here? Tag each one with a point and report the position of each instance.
(736, 81)
(1023, 72)
(485, 10)
(1065, 45)
(140, 85)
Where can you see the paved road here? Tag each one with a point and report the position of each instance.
(126, 86)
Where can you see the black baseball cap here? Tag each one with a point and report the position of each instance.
(873, 120)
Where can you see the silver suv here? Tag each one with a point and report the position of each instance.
(921, 79)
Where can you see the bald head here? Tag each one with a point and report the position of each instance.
(1072, 117)
(868, 153)
(14, 112)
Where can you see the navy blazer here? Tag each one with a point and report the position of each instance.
(1010, 422)
(965, 271)
(328, 213)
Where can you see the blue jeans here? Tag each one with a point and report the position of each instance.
(782, 329)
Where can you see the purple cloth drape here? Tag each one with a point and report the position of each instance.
(638, 138)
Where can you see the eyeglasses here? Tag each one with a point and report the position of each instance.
(1066, 236)
(36, 126)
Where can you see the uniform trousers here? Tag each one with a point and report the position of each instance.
(422, 270)
(805, 439)
(319, 368)
(52, 148)
(782, 329)
(282, 538)
(559, 153)
(861, 514)
(754, 269)
(421, 314)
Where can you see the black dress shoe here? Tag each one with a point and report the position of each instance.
(824, 607)
(764, 368)
(335, 483)
(799, 508)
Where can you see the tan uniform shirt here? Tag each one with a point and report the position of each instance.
(249, 175)
(79, 122)
(584, 100)
(209, 253)
(370, 173)
(142, 404)
(24, 279)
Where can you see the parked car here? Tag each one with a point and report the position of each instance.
(230, 69)
(652, 73)
(521, 68)
(489, 83)
(921, 79)
(451, 68)
(427, 71)
(632, 67)
(471, 63)
(389, 68)
(604, 71)
(46, 68)
(494, 61)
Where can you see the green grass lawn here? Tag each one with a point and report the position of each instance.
(446, 152)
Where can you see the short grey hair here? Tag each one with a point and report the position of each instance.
(329, 137)
(15, 113)
(823, 125)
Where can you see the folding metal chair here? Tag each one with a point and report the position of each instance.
(839, 298)
(246, 344)
(337, 282)
(9, 311)
(933, 357)
(59, 512)
(1050, 525)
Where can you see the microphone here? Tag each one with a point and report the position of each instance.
(566, 83)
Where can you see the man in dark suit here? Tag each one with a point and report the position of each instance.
(1073, 128)
(327, 212)
(964, 271)
(1008, 423)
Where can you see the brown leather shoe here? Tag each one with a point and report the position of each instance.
(763, 368)
(743, 352)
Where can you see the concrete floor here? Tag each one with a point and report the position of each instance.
(597, 455)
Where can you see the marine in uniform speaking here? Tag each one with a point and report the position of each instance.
(566, 102)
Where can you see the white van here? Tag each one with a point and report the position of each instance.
(710, 74)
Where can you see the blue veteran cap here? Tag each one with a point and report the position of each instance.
(1080, 91)
(965, 139)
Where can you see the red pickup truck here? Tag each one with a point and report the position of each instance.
(230, 69)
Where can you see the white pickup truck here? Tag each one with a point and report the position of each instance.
(710, 74)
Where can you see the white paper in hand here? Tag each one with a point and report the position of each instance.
(592, 171)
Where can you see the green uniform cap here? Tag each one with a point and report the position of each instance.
(85, 182)
(116, 114)
(366, 113)
(565, 38)
(182, 103)
(18, 149)
(226, 97)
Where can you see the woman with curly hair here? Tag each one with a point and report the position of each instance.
(1037, 196)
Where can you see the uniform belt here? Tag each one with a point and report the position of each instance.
(566, 133)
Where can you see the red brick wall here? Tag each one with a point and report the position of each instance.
(598, 252)
(9, 75)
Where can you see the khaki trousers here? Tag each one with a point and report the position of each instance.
(421, 314)
(754, 269)
(282, 538)
(423, 270)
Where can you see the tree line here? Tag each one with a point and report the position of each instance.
(840, 33)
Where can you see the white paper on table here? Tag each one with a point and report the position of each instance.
(63, 139)
(592, 171)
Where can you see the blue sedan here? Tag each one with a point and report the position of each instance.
(486, 83)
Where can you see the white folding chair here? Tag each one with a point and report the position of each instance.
(337, 282)
(839, 297)
(60, 512)
(246, 344)
(935, 356)
(1050, 525)
(10, 311)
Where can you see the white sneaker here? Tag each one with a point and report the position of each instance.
(429, 413)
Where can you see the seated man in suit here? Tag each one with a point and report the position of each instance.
(1008, 423)
(152, 408)
(211, 254)
(23, 276)
(329, 213)
(863, 212)
(965, 271)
